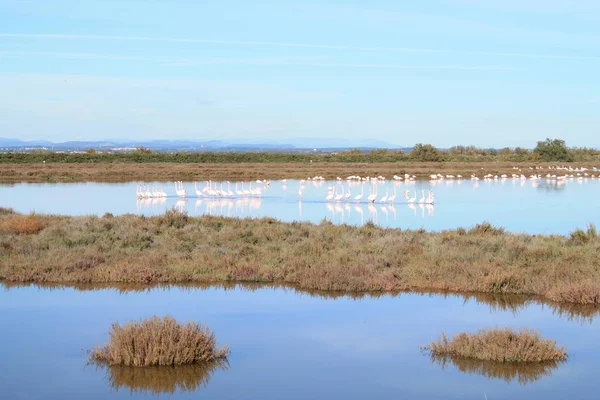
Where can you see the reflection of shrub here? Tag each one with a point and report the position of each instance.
(501, 345)
(524, 373)
(159, 341)
(158, 380)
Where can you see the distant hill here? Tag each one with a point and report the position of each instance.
(192, 145)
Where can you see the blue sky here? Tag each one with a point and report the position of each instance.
(488, 73)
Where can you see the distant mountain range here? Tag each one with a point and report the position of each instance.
(193, 145)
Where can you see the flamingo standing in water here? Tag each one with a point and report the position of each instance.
(411, 200)
(199, 193)
(384, 198)
(348, 195)
(430, 199)
(422, 199)
(239, 193)
(358, 197)
(330, 194)
(339, 196)
(392, 198)
(373, 196)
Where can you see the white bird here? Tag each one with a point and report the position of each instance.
(330, 194)
(384, 198)
(422, 199)
(373, 196)
(339, 196)
(358, 197)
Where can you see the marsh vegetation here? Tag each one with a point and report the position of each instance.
(175, 248)
(499, 345)
(159, 342)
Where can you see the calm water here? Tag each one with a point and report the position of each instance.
(285, 345)
(520, 206)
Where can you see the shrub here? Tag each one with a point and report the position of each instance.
(500, 345)
(22, 224)
(173, 218)
(485, 228)
(159, 342)
(552, 150)
(579, 236)
(425, 152)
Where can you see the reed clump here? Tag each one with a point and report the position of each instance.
(20, 224)
(175, 248)
(499, 345)
(159, 342)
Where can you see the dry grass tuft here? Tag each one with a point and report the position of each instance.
(21, 224)
(581, 293)
(159, 342)
(499, 345)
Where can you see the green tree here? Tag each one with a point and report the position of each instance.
(425, 152)
(552, 150)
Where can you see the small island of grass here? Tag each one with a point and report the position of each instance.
(499, 345)
(159, 342)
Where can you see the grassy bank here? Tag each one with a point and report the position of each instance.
(131, 171)
(175, 248)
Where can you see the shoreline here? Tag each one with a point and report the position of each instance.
(150, 172)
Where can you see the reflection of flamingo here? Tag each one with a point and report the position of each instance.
(373, 211)
(412, 207)
(359, 210)
(358, 197)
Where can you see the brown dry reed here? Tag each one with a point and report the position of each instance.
(177, 249)
(159, 342)
(20, 224)
(499, 345)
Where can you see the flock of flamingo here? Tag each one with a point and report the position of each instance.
(333, 194)
(210, 189)
(341, 192)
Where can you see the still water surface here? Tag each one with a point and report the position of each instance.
(519, 206)
(285, 345)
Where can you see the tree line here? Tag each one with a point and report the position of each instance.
(545, 151)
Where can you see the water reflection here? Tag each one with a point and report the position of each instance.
(523, 373)
(161, 380)
(497, 302)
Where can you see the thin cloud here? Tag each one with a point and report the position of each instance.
(281, 61)
(299, 45)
